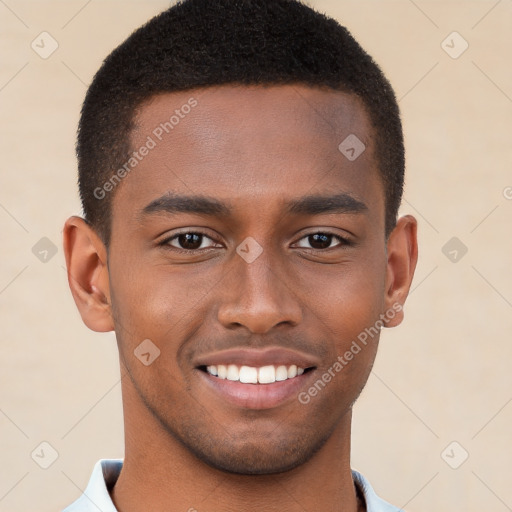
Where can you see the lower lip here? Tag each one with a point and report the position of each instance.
(256, 396)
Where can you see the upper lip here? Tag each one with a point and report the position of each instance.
(258, 357)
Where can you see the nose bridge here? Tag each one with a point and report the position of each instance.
(261, 277)
(259, 298)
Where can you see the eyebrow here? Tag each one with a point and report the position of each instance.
(204, 205)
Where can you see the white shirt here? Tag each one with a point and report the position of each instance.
(96, 497)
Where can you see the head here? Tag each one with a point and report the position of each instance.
(241, 168)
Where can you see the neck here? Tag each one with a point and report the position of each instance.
(159, 473)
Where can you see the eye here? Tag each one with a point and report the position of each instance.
(323, 240)
(188, 241)
(193, 241)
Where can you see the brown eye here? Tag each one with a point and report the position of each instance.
(188, 241)
(321, 241)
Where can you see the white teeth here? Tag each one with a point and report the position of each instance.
(252, 375)
(249, 375)
(233, 373)
(266, 375)
(281, 373)
(222, 371)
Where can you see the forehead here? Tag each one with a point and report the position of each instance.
(251, 142)
(219, 113)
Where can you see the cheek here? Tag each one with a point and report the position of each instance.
(164, 305)
(348, 313)
(151, 324)
(154, 298)
(352, 334)
(346, 299)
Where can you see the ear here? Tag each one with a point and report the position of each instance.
(86, 262)
(402, 252)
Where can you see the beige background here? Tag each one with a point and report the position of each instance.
(443, 376)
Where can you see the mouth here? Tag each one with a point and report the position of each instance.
(255, 379)
(268, 374)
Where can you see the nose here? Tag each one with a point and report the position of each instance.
(259, 296)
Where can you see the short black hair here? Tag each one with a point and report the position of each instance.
(202, 43)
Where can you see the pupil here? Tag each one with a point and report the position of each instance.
(320, 240)
(190, 240)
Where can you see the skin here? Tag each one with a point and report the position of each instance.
(255, 149)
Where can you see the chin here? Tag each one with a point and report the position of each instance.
(252, 458)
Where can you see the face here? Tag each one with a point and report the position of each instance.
(244, 242)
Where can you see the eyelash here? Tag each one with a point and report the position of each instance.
(166, 243)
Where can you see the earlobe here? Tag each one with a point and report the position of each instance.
(402, 252)
(86, 262)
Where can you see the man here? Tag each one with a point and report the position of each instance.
(240, 168)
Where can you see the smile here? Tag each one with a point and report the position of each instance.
(251, 378)
(255, 375)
